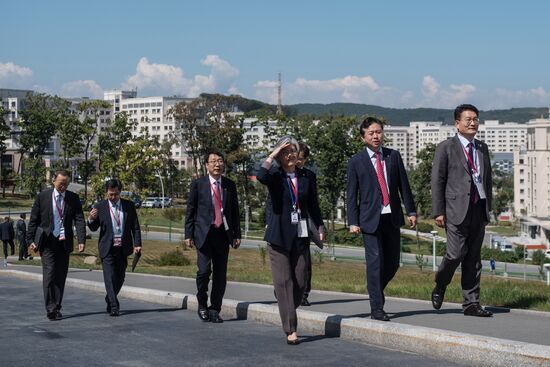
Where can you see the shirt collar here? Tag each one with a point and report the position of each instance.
(372, 152)
(464, 141)
(117, 203)
(213, 180)
(57, 193)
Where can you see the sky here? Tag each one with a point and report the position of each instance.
(392, 53)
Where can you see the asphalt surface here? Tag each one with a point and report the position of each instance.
(511, 324)
(147, 334)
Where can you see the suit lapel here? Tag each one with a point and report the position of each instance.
(459, 150)
(224, 192)
(206, 191)
(480, 155)
(387, 163)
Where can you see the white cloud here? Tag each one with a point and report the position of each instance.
(429, 86)
(170, 79)
(436, 96)
(14, 76)
(82, 88)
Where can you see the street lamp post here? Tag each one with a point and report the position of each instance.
(434, 233)
(161, 187)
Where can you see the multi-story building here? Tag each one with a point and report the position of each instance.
(152, 114)
(532, 180)
(409, 140)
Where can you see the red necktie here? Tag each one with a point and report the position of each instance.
(474, 196)
(217, 206)
(382, 180)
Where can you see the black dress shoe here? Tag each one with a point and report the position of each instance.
(114, 313)
(305, 302)
(476, 310)
(293, 342)
(54, 315)
(379, 315)
(203, 314)
(215, 317)
(437, 298)
(108, 309)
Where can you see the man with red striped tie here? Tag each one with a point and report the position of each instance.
(211, 226)
(376, 177)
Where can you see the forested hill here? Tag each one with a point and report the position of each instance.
(395, 116)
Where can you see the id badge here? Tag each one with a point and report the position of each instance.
(62, 237)
(480, 189)
(117, 241)
(302, 229)
(294, 218)
(225, 225)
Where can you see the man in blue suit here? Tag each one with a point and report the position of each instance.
(376, 179)
(119, 237)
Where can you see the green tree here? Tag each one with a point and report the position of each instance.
(420, 180)
(5, 133)
(34, 173)
(39, 122)
(332, 142)
(89, 113)
(503, 187)
(70, 137)
(110, 143)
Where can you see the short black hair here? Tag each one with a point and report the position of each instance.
(113, 183)
(465, 107)
(304, 148)
(368, 122)
(23, 216)
(215, 152)
(62, 172)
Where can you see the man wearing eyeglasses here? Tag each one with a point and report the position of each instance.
(461, 201)
(211, 226)
(51, 233)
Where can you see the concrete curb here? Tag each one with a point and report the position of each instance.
(436, 343)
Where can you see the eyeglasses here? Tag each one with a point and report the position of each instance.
(289, 152)
(217, 161)
(470, 121)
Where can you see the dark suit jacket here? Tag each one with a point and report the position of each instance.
(364, 198)
(280, 231)
(451, 179)
(6, 231)
(21, 230)
(313, 230)
(200, 210)
(42, 216)
(131, 235)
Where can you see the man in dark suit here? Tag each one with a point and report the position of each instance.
(51, 233)
(119, 237)
(461, 201)
(7, 234)
(21, 235)
(212, 224)
(376, 177)
(301, 161)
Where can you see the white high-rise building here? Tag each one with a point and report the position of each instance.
(409, 140)
(152, 114)
(532, 181)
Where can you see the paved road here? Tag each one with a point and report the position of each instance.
(517, 325)
(152, 335)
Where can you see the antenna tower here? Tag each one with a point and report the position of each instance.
(279, 97)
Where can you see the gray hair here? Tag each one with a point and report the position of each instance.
(286, 139)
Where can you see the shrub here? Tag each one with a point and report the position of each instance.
(424, 227)
(504, 256)
(538, 257)
(174, 258)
